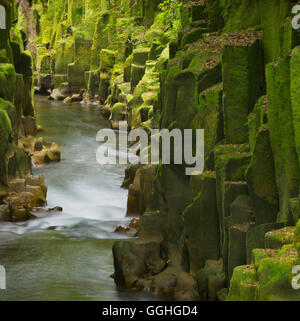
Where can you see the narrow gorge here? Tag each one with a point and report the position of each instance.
(84, 231)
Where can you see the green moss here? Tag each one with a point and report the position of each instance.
(276, 239)
(272, 17)
(294, 210)
(140, 56)
(261, 179)
(271, 274)
(192, 36)
(259, 254)
(5, 131)
(242, 82)
(118, 111)
(215, 16)
(93, 82)
(206, 66)
(43, 63)
(168, 95)
(297, 236)
(82, 49)
(237, 10)
(210, 117)
(187, 99)
(282, 134)
(295, 95)
(7, 81)
(107, 59)
(76, 77)
(256, 119)
(274, 274)
(64, 55)
(243, 284)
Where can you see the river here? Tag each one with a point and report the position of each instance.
(67, 256)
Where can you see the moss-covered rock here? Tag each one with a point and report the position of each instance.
(107, 60)
(7, 81)
(256, 237)
(76, 77)
(295, 92)
(242, 82)
(140, 56)
(294, 210)
(277, 238)
(261, 180)
(243, 284)
(272, 18)
(231, 162)
(282, 135)
(274, 275)
(211, 117)
(201, 224)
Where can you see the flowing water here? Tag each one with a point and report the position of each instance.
(67, 256)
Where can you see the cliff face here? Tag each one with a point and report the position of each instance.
(19, 191)
(19, 148)
(228, 66)
(232, 70)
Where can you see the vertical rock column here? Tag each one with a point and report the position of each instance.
(282, 133)
(242, 65)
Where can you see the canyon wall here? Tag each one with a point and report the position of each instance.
(19, 191)
(230, 67)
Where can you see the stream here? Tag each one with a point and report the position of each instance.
(67, 255)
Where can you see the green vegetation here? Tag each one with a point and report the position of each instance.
(230, 67)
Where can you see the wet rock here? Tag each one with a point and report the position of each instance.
(4, 213)
(76, 97)
(41, 151)
(17, 186)
(129, 175)
(20, 215)
(121, 229)
(57, 94)
(133, 260)
(40, 128)
(131, 229)
(55, 209)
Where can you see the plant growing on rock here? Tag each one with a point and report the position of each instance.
(171, 11)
